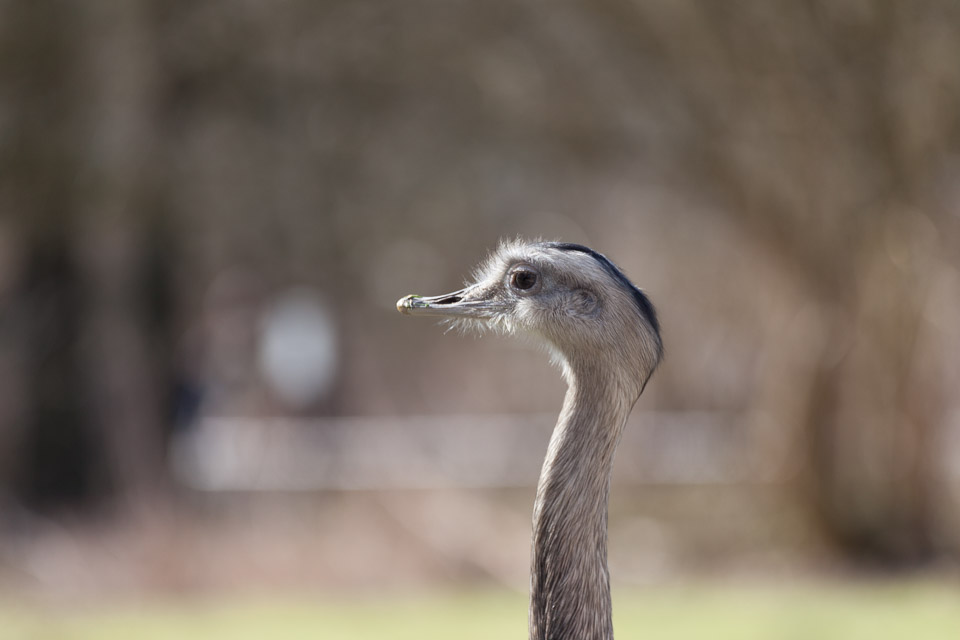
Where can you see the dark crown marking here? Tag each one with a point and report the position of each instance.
(644, 305)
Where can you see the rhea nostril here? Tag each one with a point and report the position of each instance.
(449, 300)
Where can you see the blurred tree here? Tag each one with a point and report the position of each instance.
(90, 335)
(825, 127)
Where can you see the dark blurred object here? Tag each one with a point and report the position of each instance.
(89, 309)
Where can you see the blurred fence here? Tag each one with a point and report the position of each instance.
(456, 452)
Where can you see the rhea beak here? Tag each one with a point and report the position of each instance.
(471, 302)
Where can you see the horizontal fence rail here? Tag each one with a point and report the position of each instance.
(461, 451)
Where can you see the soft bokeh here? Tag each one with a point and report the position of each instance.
(209, 209)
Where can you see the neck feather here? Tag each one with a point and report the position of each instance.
(570, 584)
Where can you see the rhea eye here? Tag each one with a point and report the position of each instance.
(523, 279)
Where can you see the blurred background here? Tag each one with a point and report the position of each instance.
(209, 209)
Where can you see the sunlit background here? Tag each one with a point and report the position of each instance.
(213, 420)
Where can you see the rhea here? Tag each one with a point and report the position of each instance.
(604, 333)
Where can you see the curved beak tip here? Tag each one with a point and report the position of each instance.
(406, 303)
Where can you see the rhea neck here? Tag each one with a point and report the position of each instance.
(570, 582)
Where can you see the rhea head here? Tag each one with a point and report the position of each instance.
(568, 296)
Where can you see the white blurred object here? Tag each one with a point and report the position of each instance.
(299, 351)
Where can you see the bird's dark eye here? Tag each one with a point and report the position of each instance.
(523, 279)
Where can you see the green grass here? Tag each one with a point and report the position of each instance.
(914, 611)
